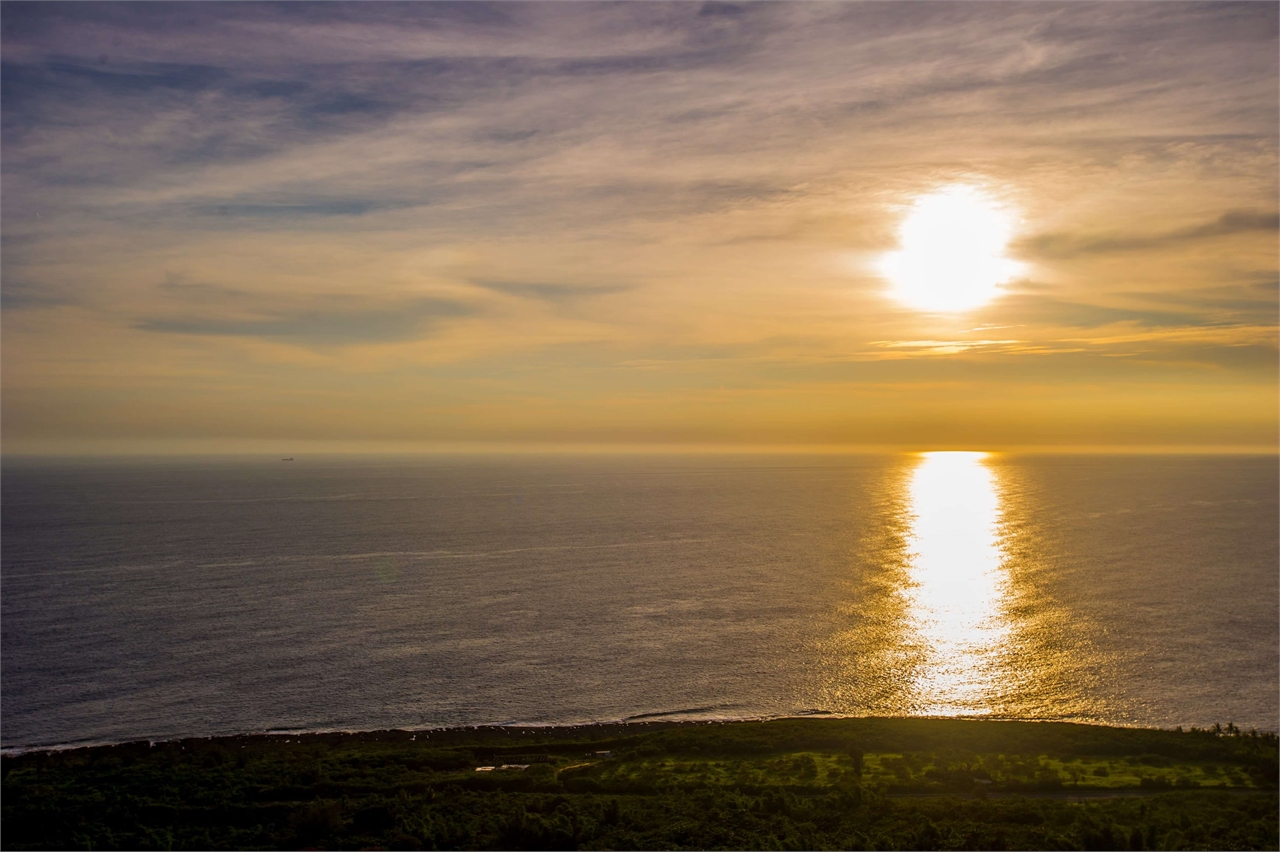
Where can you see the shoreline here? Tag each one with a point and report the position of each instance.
(797, 782)
(642, 723)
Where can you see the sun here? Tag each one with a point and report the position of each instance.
(951, 255)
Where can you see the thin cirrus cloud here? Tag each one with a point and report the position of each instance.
(579, 201)
(550, 291)
(332, 327)
(1228, 224)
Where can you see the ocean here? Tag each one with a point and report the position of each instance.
(165, 598)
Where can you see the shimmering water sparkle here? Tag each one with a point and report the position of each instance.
(958, 587)
(155, 599)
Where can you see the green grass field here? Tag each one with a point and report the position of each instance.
(793, 783)
(921, 772)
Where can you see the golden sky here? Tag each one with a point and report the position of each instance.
(415, 225)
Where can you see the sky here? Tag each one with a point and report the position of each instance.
(295, 226)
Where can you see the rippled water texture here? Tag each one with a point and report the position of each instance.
(958, 596)
(193, 597)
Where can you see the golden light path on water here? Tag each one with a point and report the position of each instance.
(956, 590)
(948, 608)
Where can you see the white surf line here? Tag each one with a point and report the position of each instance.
(472, 554)
(450, 554)
(320, 499)
(356, 557)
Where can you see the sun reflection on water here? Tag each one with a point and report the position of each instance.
(957, 591)
(947, 609)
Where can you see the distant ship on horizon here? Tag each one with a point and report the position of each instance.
(288, 459)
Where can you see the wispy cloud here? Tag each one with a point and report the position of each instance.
(500, 204)
(332, 327)
(1231, 223)
(550, 291)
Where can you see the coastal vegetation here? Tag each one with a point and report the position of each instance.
(810, 783)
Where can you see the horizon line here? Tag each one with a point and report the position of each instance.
(283, 449)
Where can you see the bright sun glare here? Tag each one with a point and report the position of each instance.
(952, 251)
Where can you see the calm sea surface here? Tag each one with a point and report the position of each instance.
(169, 598)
